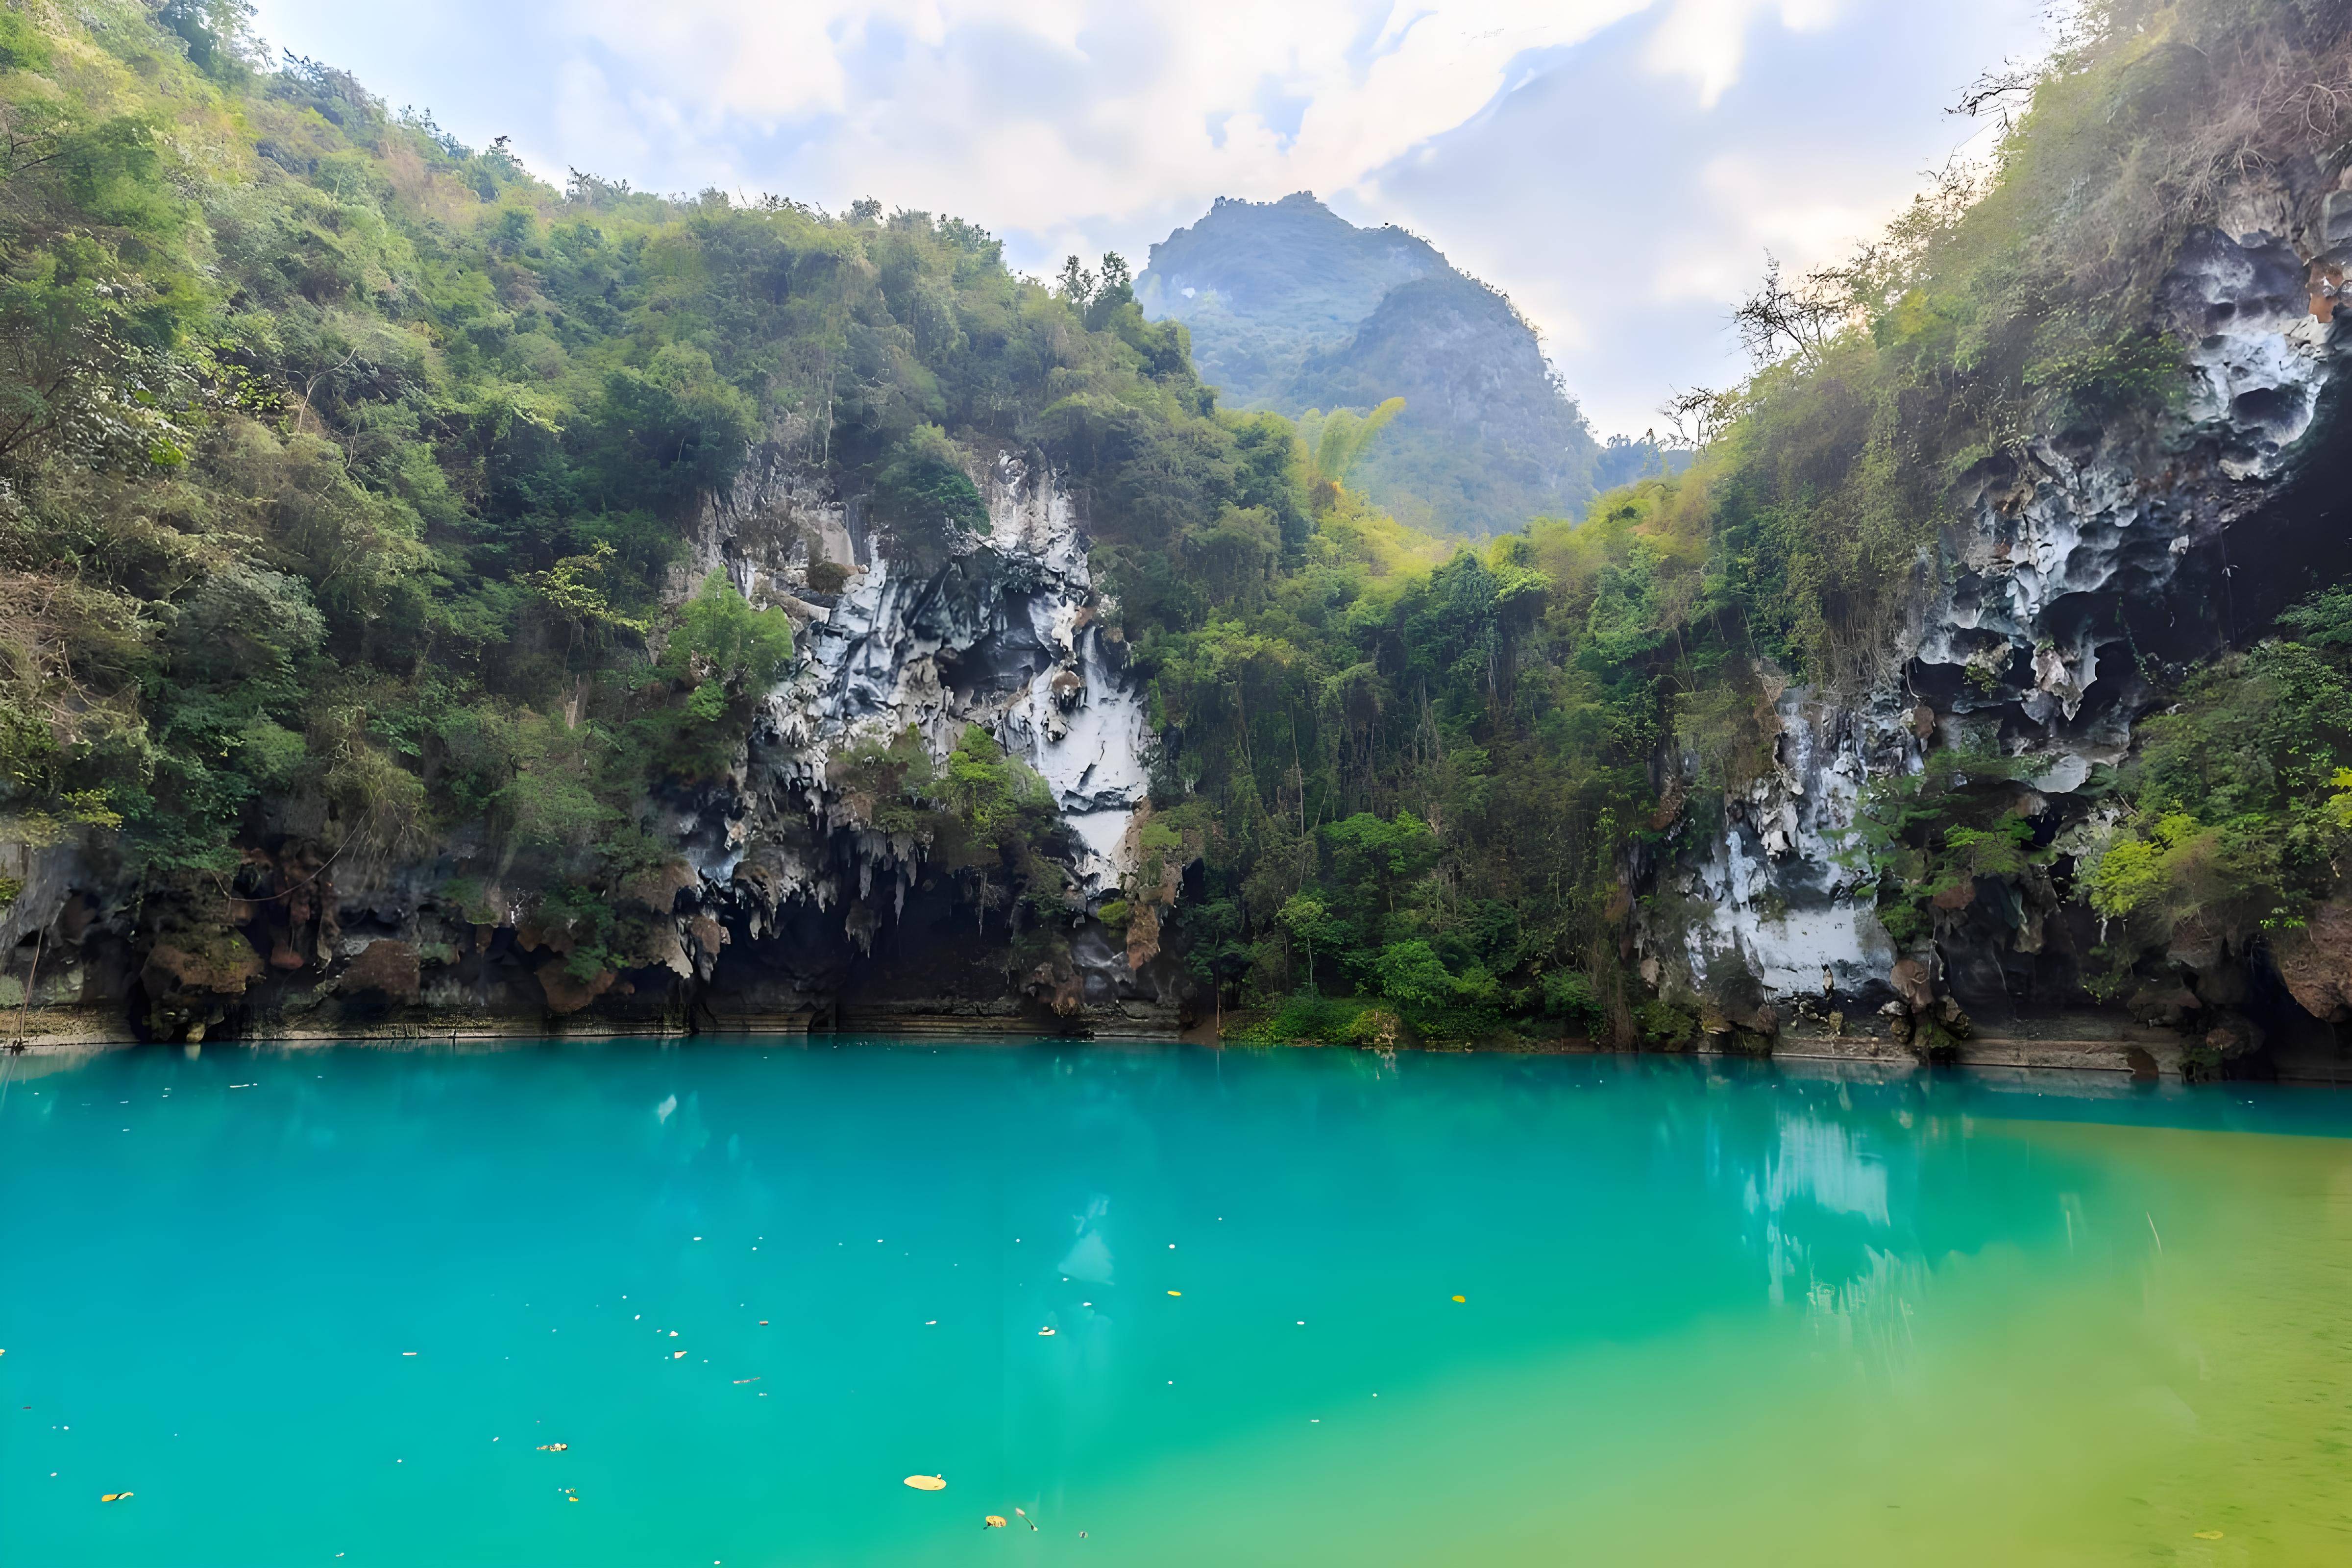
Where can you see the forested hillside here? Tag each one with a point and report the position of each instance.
(352, 481)
(1294, 309)
(1544, 732)
(346, 464)
(1264, 284)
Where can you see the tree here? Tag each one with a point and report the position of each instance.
(1804, 315)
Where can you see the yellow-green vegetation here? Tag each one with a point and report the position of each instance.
(345, 475)
(2241, 803)
(346, 466)
(2009, 302)
(1433, 787)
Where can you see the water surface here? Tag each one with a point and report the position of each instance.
(327, 1306)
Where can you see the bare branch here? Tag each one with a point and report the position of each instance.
(1698, 416)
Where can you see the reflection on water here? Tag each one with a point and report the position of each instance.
(1089, 1259)
(1942, 1320)
(1818, 1160)
(1869, 1316)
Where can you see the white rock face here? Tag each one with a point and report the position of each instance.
(1003, 636)
(2024, 638)
(1005, 633)
(1775, 905)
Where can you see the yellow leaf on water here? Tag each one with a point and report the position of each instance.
(116, 1497)
(1175, 1292)
(1461, 1298)
(994, 1521)
(2208, 1535)
(928, 1483)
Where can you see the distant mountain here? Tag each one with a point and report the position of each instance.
(1291, 307)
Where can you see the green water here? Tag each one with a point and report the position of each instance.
(1712, 1314)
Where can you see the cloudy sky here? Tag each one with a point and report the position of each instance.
(1619, 168)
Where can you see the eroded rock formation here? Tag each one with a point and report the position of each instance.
(786, 901)
(2074, 583)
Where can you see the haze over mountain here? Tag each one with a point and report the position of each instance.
(1292, 308)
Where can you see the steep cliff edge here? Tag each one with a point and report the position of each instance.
(788, 893)
(430, 598)
(2078, 584)
(608, 612)
(1005, 634)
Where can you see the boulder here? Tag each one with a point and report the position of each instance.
(1142, 937)
(387, 971)
(658, 887)
(2165, 1005)
(1911, 981)
(201, 961)
(665, 949)
(565, 994)
(1058, 986)
(2196, 945)
(2315, 962)
(709, 937)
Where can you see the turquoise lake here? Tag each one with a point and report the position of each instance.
(336, 1306)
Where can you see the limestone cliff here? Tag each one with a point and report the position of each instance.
(784, 902)
(2075, 585)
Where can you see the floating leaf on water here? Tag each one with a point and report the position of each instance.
(1044, 1333)
(1460, 1297)
(553, 1448)
(116, 1497)
(676, 1354)
(1175, 1292)
(928, 1483)
(994, 1521)
(2208, 1535)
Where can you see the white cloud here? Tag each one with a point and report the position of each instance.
(1805, 213)
(1618, 165)
(1627, 222)
(1704, 39)
(1034, 112)
(1045, 116)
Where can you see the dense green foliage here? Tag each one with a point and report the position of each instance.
(1431, 790)
(1269, 283)
(2242, 796)
(346, 468)
(979, 816)
(1927, 837)
(346, 472)
(1293, 309)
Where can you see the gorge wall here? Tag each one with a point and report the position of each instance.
(466, 603)
(790, 898)
(2073, 591)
